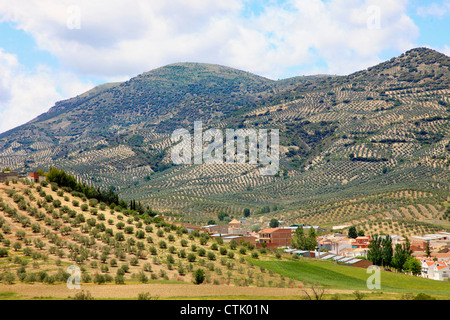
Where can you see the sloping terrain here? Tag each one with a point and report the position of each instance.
(45, 229)
(377, 131)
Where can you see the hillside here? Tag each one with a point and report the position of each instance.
(380, 131)
(45, 229)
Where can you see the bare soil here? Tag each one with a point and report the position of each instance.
(131, 291)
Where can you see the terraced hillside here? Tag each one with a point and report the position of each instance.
(377, 131)
(44, 229)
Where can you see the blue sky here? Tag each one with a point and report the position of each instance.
(52, 50)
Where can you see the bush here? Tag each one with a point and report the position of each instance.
(84, 207)
(83, 296)
(129, 229)
(142, 277)
(3, 252)
(423, 296)
(140, 234)
(99, 279)
(93, 202)
(191, 257)
(162, 244)
(119, 236)
(211, 256)
(201, 252)
(199, 276)
(119, 279)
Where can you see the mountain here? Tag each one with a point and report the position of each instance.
(376, 131)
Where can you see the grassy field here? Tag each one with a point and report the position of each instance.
(335, 276)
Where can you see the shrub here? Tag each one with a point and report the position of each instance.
(140, 234)
(199, 276)
(119, 279)
(120, 225)
(129, 229)
(36, 227)
(423, 296)
(99, 279)
(201, 252)
(162, 244)
(119, 236)
(191, 257)
(83, 296)
(3, 252)
(84, 207)
(211, 256)
(142, 277)
(134, 261)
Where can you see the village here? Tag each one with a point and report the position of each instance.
(431, 250)
(338, 247)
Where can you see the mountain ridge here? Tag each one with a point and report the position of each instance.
(392, 118)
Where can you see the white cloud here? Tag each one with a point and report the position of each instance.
(119, 39)
(125, 38)
(434, 9)
(25, 95)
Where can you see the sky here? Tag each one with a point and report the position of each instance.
(51, 50)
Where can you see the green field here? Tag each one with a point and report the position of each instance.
(335, 276)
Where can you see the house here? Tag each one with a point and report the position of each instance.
(35, 177)
(324, 244)
(361, 242)
(9, 175)
(216, 228)
(397, 239)
(439, 271)
(235, 227)
(239, 238)
(436, 256)
(275, 237)
(439, 239)
(354, 252)
(426, 264)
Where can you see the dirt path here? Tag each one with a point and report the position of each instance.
(156, 290)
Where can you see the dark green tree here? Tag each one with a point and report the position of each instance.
(352, 232)
(387, 251)
(375, 250)
(274, 223)
(311, 240)
(298, 240)
(412, 265)
(199, 276)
